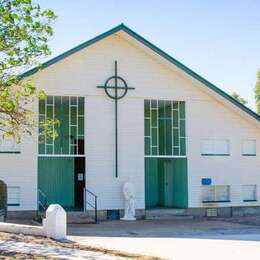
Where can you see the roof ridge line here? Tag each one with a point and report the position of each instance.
(189, 71)
(154, 48)
(72, 51)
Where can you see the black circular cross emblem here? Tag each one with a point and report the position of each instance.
(116, 88)
(120, 84)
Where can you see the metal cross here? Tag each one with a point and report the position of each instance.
(116, 96)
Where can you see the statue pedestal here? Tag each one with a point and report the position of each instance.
(128, 219)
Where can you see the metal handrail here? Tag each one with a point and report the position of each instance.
(86, 202)
(3, 213)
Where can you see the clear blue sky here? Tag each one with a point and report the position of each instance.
(220, 40)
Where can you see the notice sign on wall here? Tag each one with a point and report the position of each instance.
(80, 176)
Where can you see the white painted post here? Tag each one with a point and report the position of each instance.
(55, 223)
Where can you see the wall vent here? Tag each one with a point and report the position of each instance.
(212, 212)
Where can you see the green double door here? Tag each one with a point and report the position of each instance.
(56, 179)
(166, 182)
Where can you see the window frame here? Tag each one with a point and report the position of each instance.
(215, 194)
(175, 118)
(255, 193)
(75, 102)
(19, 196)
(16, 149)
(242, 147)
(214, 153)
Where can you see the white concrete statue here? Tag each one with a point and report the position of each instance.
(129, 196)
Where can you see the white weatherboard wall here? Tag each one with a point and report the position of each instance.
(20, 170)
(100, 166)
(211, 120)
(80, 73)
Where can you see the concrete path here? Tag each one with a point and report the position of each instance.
(180, 248)
(52, 251)
(178, 240)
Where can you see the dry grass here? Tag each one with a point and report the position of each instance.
(68, 244)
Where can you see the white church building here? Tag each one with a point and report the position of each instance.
(128, 109)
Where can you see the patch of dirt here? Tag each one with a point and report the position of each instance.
(13, 255)
(68, 244)
(21, 221)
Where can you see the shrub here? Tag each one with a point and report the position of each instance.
(3, 197)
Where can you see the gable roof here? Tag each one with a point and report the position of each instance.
(154, 48)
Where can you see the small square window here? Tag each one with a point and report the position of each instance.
(9, 145)
(215, 147)
(13, 196)
(249, 147)
(249, 193)
(208, 193)
(222, 193)
(216, 193)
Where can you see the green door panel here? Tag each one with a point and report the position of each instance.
(161, 181)
(56, 179)
(151, 182)
(166, 182)
(180, 183)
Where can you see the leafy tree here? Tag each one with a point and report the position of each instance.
(257, 93)
(236, 96)
(24, 32)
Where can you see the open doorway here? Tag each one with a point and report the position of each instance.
(79, 177)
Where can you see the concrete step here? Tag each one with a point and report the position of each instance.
(79, 218)
(167, 214)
